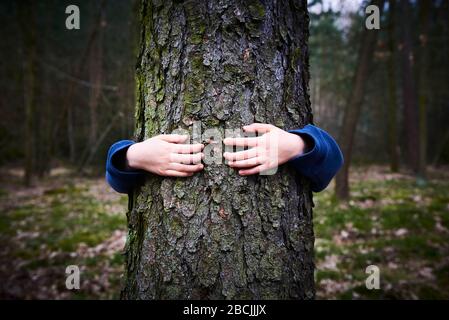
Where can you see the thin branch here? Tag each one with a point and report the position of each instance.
(76, 80)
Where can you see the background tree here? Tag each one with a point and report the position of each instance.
(354, 105)
(26, 17)
(65, 64)
(220, 235)
(424, 17)
(393, 139)
(409, 94)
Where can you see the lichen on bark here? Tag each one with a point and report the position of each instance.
(218, 235)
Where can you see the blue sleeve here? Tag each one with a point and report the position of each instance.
(322, 160)
(120, 179)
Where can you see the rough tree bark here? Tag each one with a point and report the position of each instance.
(354, 106)
(218, 235)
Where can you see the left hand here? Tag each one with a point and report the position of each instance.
(273, 148)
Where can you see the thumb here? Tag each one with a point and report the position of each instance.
(173, 138)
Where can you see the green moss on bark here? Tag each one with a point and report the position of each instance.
(218, 235)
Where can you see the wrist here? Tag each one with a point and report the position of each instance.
(298, 146)
(132, 156)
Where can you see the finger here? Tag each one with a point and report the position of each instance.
(188, 148)
(173, 138)
(186, 167)
(246, 163)
(241, 142)
(254, 170)
(186, 158)
(258, 127)
(241, 155)
(174, 173)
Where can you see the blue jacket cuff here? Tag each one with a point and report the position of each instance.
(119, 179)
(323, 159)
(312, 156)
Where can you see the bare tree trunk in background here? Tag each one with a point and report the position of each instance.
(68, 114)
(440, 147)
(130, 89)
(44, 116)
(95, 63)
(27, 22)
(95, 78)
(353, 108)
(441, 13)
(218, 235)
(424, 6)
(393, 141)
(409, 90)
(70, 122)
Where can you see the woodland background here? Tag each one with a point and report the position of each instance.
(67, 95)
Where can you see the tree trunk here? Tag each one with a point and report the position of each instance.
(68, 113)
(424, 6)
(28, 26)
(70, 122)
(95, 78)
(95, 63)
(409, 95)
(354, 106)
(44, 115)
(393, 141)
(218, 235)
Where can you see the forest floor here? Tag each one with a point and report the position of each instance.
(391, 222)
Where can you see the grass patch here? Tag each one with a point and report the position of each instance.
(66, 224)
(391, 223)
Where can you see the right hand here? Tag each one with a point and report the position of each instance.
(165, 155)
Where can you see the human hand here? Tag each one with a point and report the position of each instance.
(273, 148)
(165, 155)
